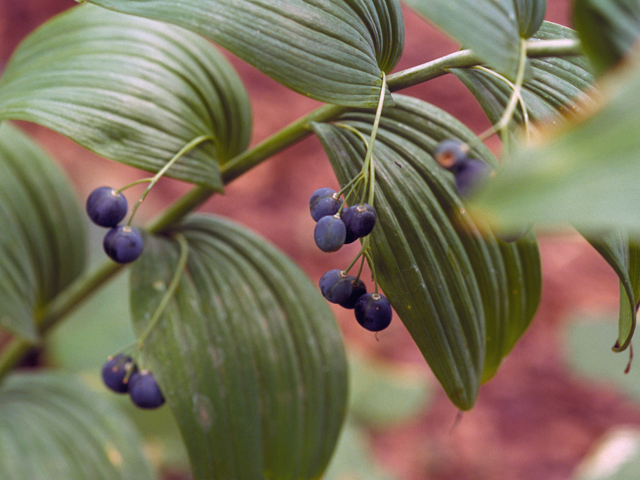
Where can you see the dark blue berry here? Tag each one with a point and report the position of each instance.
(114, 372)
(144, 391)
(335, 286)
(359, 220)
(106, 207)
(358, 289)
(470, 175)
(450, 154)
(330, 233)
(323, 202)
(123, 244)
(373, 312)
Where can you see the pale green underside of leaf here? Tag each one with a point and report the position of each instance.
(130, 89)
(42, 240)
(488, 27)
(333, 51)
(54, 427)
(454, 287)
(247, 353)
(607, 29)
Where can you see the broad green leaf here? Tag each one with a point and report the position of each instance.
(488, 27)
(622, 252)
(246, 352)
(583, 174)
(330, 50)
(54, 426)
(607, 29)
(130, 89)
(460, 292)
(42, 242)
(554, 90)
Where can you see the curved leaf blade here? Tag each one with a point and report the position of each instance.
(488, 27)
(42, 242)
(622, 252)
(53, 426)
(464, 296)
(130, 89)
(530, 15)
(246, 352)
(607, 29)
(333, 51)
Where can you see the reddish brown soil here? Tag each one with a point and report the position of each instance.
(534, 420)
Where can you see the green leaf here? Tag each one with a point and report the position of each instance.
(488, 27)
(42, 241)
(333, 51)
(530, 14)
(622, 252)
(607, 29)
(554, 90)
(130, 89)
(53, 426)
(583, 174)
(246, 352)
(459, 291)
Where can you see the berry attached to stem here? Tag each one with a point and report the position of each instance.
(144, 391)
(123, 244)
(373, 312)
(335, 286)
(330, 233)
(114, 373)
(358, 289)
(106, 207)
(323, 202)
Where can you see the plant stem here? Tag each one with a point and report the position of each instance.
(89, 282)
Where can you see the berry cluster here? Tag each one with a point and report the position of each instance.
(468, 172)
(336, 226)
(107, 207)
(120, 374)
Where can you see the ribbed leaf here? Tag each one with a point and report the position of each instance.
(555, 88)
(53, 426)
(130, 89)
(607, 29)
(622, 252)
(330, 50)
(454, 287)
(42, 240)
(247, 354)
(488, 27)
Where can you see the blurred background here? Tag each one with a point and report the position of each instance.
(559, 408)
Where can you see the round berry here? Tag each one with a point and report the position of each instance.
(106, 207)
(123, 244)
(470, 175)
(335, 286)
(450, 154)
(359, 220)
(358, 289)
(144, 391)
(330, 233)
(373, 312)
(114, 372)
(323, 202)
